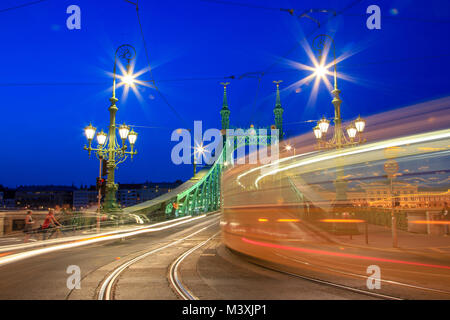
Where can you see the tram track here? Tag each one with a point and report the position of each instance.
(174, 275)
(107, 286)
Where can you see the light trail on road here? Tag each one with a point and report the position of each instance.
(344, 255)
(91, 240)
(347, 153)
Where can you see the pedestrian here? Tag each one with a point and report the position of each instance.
(28, 225)
(445, 216)
(50, 224)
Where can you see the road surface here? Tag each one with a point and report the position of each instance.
(188, 259)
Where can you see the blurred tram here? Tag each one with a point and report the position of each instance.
(295, 205)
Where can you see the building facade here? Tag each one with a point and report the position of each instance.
(404, 195)
(84, 198)
(132, 194)
(44, 197)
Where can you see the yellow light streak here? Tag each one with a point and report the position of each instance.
(343, 220)
(430, 222)
(425, 137)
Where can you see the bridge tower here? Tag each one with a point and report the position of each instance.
(225, 112)
(278, 111)
(205, 195)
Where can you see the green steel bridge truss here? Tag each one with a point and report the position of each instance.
(205, 195)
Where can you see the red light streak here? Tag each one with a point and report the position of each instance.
(338, 254)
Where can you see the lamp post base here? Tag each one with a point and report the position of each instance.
(112, 207)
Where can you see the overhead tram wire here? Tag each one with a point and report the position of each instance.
(253, 6)
(36, 84)
(152, 127)
(335, 14)
(291, 12)
(411, 19)
(162, 96)
(230, 77)
(21, 6)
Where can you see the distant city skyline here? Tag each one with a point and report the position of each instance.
(89, 185)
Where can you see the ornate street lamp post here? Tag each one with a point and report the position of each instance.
(339, 140)
(108, 148)
(355, 129)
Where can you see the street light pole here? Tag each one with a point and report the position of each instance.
(319, 44)
(393, 217)
(357, 127)
(336, 101)
(111, 187)
(111, 150)
(195, 164)
(200, 150)
(99, 194)
(339, 140)
(128, 53)
(391, 167)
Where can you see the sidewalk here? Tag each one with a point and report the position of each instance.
(380, 237)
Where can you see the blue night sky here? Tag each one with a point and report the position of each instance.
(55, 81)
